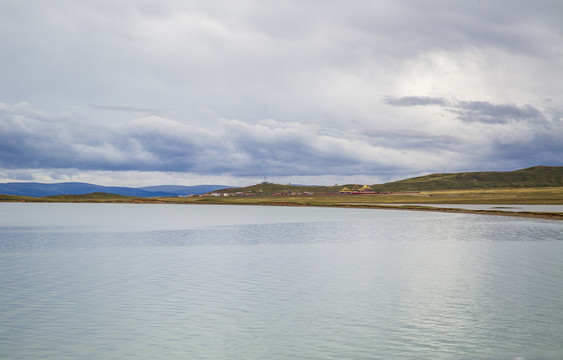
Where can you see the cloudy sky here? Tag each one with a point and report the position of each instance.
(139, 92)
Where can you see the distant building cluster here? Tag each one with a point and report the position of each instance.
(237, 193)
(241, 193)
(357, 190)
(353, 190)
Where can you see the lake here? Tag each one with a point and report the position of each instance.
(140, 281)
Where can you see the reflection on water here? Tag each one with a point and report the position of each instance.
(220, 282)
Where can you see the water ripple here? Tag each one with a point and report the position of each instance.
(376, 284)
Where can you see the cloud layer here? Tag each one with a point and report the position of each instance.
(312, 90)
(32, 138)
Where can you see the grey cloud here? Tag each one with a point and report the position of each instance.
(473, 111)
(544, 147)
(126, 108)
(412, 139)
(32, 142)
(412, 27)
(242, 149)
(481, 111)
(158, 144)
(513, 136)
(415, 101)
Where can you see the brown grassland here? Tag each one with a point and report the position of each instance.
(433, 200)
(530, 196)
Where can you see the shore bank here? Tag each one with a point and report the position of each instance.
(309, 201)
(521, 214)
(524, 214)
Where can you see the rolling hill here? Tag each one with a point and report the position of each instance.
(537, 176)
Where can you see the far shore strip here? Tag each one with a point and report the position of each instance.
(411, 207)
(521, 214)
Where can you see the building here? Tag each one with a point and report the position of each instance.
(355, 190)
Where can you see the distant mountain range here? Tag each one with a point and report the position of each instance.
(77, 188)
(538, 176)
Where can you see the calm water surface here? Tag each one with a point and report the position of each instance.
(109, 281)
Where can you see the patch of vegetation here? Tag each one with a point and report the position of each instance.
(92, 197)
(15, 198)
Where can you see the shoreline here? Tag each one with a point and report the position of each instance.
(410, 207)
(520, 214)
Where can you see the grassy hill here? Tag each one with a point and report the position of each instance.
(12, 198)
(538, 176)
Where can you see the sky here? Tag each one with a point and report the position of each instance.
(138, 92)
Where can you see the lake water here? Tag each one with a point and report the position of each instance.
(116, 281)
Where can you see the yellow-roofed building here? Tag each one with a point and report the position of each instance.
(365, 188)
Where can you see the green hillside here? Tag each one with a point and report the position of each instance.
(13, 198)
(538, 176)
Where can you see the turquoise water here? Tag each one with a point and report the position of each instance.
(110, 281)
